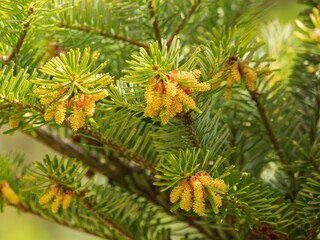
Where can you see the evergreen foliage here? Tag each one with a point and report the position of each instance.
(176, 105)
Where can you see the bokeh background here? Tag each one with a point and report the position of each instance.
(20, 226)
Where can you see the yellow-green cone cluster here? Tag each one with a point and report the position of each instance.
(69, 96)
(59, 199)
(8, 193)
(58, 107)
(169, 95)
(236, 72)
(192, 193)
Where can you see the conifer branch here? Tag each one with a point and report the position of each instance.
(25, 209)
(155, 22)
(104, 34)
(313, 230)
(105, 220)
(183, 22)
(188, 122)
(266, 123)
(70, 149)
(120, 149)
(21, 38)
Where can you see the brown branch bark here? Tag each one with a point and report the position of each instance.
(267, 125)
(105, 220)
(104, 34)
(144, 163)
(155, 23)
(23, 34)
(313, 230)
(183, 22)
(114, 169)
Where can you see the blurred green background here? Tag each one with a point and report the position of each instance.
(15, 226)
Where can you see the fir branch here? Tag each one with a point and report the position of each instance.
(23, 34)
(313, 230)
(183, 22)
(105, 220)
(120, 149)
(104, 34)
(31, 211)
(70, 149)
(155, 23)
(263, 115)
(18, 103)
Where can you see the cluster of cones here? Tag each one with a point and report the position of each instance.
(8, 193)
(80, 106)
(168, 95)
(236, 71)
(193, 192)
(59, 198)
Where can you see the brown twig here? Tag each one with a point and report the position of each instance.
(145, 164)
(104, 34)
(154, 20)
(313, 230)
(183, 22)
(105, 220)
(23, 34)
(272, 136)
(70, 149)
(266, 123)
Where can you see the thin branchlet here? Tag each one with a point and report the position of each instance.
(104, 219)
(104, 34)
(155, 23)
(183, 21)
(311, 234)
(267, 125)
(21, 39)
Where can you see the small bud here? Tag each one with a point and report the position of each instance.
(66, 200)
(77, 119)
(176, 193)
(186, 201)
(216, 198)
(206, 180)
(227, 93)
(217, 79)
(60, 112)
(250, 77)
(198, 192)
(219, 184)
(89, 106)
(56, 204)
(45, 198)
(9, 194)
